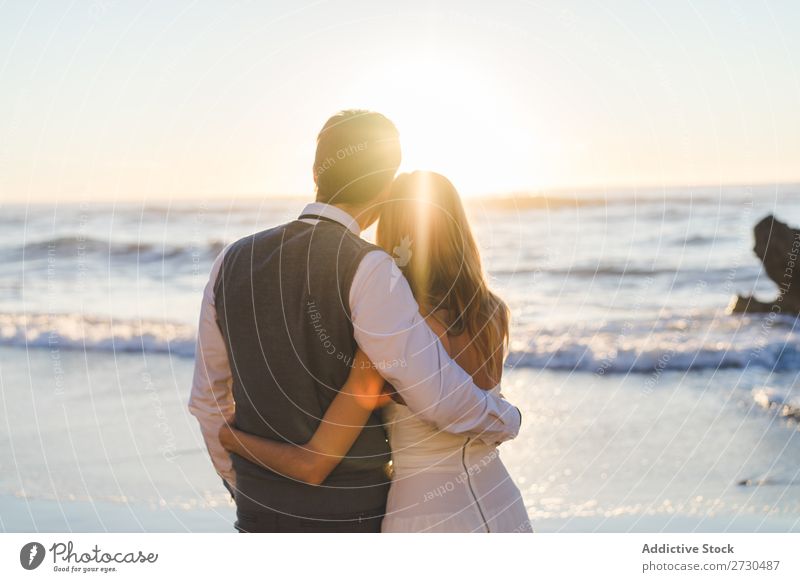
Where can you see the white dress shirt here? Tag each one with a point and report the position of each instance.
(390, 330)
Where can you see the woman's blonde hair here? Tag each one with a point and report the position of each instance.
(423, 224)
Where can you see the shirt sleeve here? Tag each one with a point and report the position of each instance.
(211, 400)
(389, 328)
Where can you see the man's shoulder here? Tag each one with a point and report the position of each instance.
(346, 242)
(253, 238)
(362, 244)
(339, 240)
(296, 229)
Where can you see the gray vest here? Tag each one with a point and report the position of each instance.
(282, 299)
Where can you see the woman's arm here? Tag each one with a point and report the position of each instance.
(340, 427)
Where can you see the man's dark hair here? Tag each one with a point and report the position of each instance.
(358, 153)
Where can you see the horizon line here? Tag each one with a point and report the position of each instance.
(538, 192)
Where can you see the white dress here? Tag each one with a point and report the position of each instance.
(447, 483)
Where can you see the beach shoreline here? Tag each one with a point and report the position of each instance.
(596, 453)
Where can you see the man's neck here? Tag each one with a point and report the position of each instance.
(362, 216)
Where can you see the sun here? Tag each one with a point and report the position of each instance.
(455, 120)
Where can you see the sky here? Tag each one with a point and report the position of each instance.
(106, 100)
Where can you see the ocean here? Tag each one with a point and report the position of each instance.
(647, 406)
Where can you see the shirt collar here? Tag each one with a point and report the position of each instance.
(333, 213)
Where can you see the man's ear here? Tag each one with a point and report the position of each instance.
(314, 172)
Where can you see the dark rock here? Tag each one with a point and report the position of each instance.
(778, 246)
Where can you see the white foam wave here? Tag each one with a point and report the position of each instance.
(95, 333)
(675, 343)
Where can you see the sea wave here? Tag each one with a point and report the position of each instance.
(584, 358)
(673, 344)
(139, 251)
(680, 342)
(720, 273)
(96, 334)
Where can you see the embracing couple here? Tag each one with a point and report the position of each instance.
(342, 386)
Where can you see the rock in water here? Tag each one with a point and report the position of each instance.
(778, 246)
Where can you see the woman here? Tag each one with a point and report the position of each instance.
(442, 482)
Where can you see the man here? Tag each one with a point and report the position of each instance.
(282, 316)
